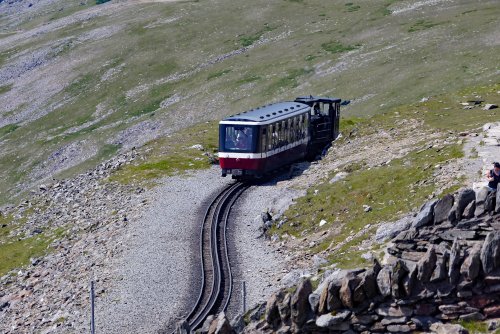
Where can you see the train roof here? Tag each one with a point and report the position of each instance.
(268, 112)
(312, 99)
(279, 110)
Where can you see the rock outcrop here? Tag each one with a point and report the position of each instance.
(445, 268)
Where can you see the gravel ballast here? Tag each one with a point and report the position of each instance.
(258, 263)
(155, 281)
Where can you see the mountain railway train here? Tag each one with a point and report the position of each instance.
(255, 142)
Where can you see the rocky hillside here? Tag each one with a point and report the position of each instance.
(442, 268)
(80, 82)
(101, 103)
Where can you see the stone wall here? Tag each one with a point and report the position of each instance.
(445, 267)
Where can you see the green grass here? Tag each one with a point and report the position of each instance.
(474, 327)
(296, 39)
(350, 7)
(421, 25)
(337, 47)
(248, 79)
(5, 130)
(172, 155)
(17, 254)
(247, 40)
(290, 80)
(217, 74)
(5, 88)
(391, 190)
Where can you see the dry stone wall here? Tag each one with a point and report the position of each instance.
(444, 268)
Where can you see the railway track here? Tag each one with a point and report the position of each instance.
(216, 287)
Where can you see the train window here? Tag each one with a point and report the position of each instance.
(270, 136)
(274, 136)
(238, 138)
(263, 139)
(284, 134)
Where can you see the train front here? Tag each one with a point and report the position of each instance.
(238, 149)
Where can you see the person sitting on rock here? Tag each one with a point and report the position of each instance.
(493, 177)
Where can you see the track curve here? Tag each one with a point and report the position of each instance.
(216, 287)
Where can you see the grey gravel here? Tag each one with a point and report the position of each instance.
(257, 261)
(154, 277)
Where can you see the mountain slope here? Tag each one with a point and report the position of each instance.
(80, 82)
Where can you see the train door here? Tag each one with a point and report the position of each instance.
(335, 111)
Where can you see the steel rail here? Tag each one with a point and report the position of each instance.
(216, 214)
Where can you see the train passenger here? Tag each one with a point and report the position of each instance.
(244, 139)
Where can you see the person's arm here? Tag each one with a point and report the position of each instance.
(489, 177)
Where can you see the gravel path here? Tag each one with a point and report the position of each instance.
(257, 262)
(154, 280)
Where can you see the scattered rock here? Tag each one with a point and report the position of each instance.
(490, 106)
(440, 328)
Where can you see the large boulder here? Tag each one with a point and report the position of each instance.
(426, 265)
(410, 281)
(284, 308)
(455, 262)
(463, 199)
(472, 264)
(221, 325)
(441, 271)
(399, 272)
(489, 203)
(299, 304)
(390, 230)
(369, 283)
(333, 301)
(440, 328)
(384, 281)
(328, 320)
(425, 216)
(497, 200)
(480, 199)
(349, 283)
(490, 252)
(442, 208)
(469, 210)
(272, 315)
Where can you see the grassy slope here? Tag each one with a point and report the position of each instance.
(351, 51)
(391, 190)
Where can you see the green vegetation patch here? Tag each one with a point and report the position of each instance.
(98, 2)
(390, 190)
(16, 250)
(422, 25)
(351, 7)
(247, 40)
(475, 326)
(9, 128)
(172, 155)
(17, 254)
(248, 79)
(291, 80)
(337, 47)
(5, 88)
(217, 74)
